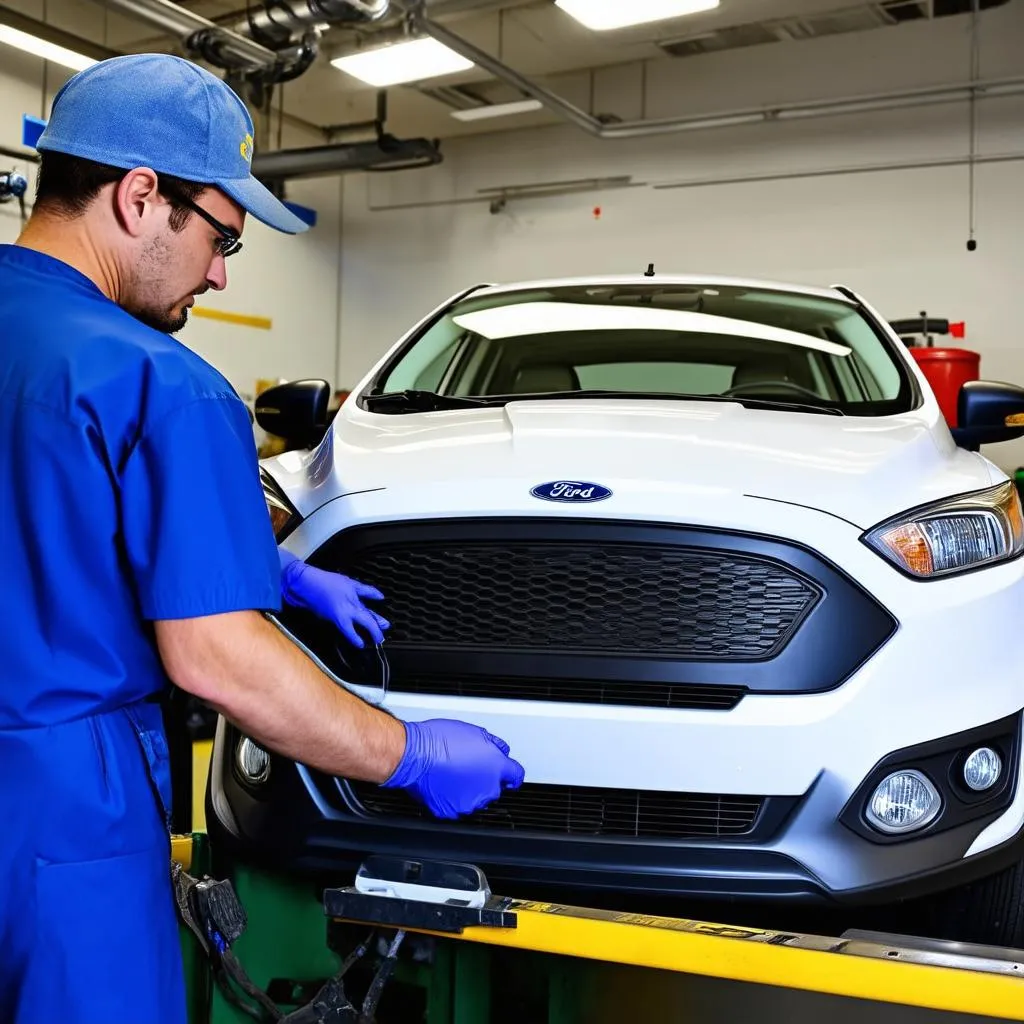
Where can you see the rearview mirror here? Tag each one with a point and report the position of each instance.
(988, 412)
(296, 411)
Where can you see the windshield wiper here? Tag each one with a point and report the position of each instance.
(783, 406)
(413, 400)
(748, 401)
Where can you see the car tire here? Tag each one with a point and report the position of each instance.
(989, 911)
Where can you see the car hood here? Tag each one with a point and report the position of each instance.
(860, 469)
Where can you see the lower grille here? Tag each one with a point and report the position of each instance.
(587, 811)
(578, 691)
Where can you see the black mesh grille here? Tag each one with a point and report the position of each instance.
(578, 691)
(571, 596)
(579, 810)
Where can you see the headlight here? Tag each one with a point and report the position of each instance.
(283, 517)
(954, 535)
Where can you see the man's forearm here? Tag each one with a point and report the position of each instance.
(247, 670)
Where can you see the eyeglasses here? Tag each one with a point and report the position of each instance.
(229, 243)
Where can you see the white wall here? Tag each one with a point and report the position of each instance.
(898, 236)
(293, 281)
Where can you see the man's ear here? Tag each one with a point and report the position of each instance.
(137, 200)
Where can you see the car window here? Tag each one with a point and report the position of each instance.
(429, 358)
(665, 339)
(695, 378)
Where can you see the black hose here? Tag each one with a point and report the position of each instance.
(237, 974)
(310, 49)
(382, 977)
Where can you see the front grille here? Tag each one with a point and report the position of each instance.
(578, 691)
(576, 596)
(569, 602)
(587, 811)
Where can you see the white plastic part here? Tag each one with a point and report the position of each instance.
(421, 893)
(1004, 827)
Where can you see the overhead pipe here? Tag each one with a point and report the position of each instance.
(18, 154)
(275, 24)
(927, 163)
(384, 154)
(274, 43)
(664, 126)
(177, 21)
(499, 69)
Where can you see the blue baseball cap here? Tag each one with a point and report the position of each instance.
(160, 111)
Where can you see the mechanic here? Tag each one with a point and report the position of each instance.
(138, 550)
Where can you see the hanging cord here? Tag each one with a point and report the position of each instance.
(972, 243)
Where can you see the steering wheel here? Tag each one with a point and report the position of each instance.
(755, 385)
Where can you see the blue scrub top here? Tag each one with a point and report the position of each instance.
(129, 492)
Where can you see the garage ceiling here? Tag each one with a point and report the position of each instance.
(535, 37)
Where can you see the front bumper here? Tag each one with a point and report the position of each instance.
(948, 668)
(307, 823)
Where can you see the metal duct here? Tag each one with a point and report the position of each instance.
(176, 21)
(277, 23)
(384, 154)
(280, 39)
(784, 112)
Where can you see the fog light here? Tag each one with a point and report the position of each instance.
(903, 802)
(253, 762)
(982, 769)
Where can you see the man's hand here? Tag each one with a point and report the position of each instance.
(333, 597)
(453, 767)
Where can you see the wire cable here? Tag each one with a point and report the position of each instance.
(972, 243)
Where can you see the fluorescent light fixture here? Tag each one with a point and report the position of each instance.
(402, 62)
(41, 48)
(520, 319)
(497, 110)
(602, 15)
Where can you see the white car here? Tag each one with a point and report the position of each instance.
(706, 554)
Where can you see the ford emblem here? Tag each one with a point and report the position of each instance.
(571, 490)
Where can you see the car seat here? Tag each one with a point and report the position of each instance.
(545, 378)
(765, 371)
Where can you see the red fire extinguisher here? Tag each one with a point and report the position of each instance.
(946, 368)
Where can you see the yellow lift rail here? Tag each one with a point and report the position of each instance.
(905, 971)
(860, 968)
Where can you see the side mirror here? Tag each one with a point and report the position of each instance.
(296, 411)
(988, 412)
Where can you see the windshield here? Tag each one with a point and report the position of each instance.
(715, 342)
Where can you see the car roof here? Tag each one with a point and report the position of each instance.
(709, 280)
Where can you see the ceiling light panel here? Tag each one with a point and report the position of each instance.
(402, 62)
(602, 15)
(41, 48)
(497, 110)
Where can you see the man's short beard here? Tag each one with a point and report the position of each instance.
(148, 272)
(163, 322)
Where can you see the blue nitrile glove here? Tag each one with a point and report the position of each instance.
(454, 767)
(332, 596)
